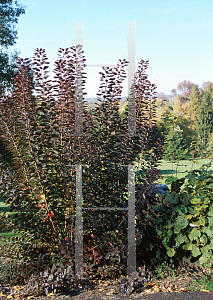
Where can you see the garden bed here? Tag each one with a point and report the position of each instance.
(183, 279)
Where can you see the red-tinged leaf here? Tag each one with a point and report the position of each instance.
(39, 196)
(50, 214)
(44, 220)
(66, 238)
(39, 205)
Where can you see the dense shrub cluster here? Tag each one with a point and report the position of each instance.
(46, 150)
(183, 219)
(40, 133)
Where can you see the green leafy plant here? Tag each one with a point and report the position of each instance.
(204, 283)
(174, 145)
(188, 230)
(165, 270)
(40, 134)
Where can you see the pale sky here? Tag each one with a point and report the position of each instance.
(175, 36)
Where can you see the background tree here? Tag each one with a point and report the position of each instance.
(210, 144)
(164, 123)
(174, 145)
(205, 85)
(204, 126)
(9, 12)
(174, 92)
(193, 110)
(178, 105)
(184, 88)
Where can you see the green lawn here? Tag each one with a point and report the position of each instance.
(5, 208)
(183, 166)
(164, 166)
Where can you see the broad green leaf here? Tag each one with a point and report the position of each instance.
(201, 221)
(203, 239)
(192, 181)
(189, 217)
(211, 208)
(187, 246)
(170, 179)
(211, 245)
(160, 207)
(170, 252)
(169, 233)
(210, 219)
(165, 241)
(186, 240)
(198, 207)
(182, 210)
(159, 231)
(205, 251)
(205, 206)
(185, 151)
(191, 210)
(206, 201)
(208, 264)
(174, 198)
(181, 223)
(209, 232)
(196, 252)
(210, 213)
(158, 220)
(203, 259)
(184, 196)
(194, 234)
(195, 200)
(179, 240)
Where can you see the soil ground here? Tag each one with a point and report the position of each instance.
(169, 288)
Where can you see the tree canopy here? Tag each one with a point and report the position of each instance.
(9, 13)
(205, 118)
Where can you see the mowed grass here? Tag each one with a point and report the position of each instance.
(183, 167)
(5, 208)
(164, 166)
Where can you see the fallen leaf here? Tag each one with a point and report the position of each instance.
(18, 287)
(183, 290)
(110, 292)
(147, 291)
